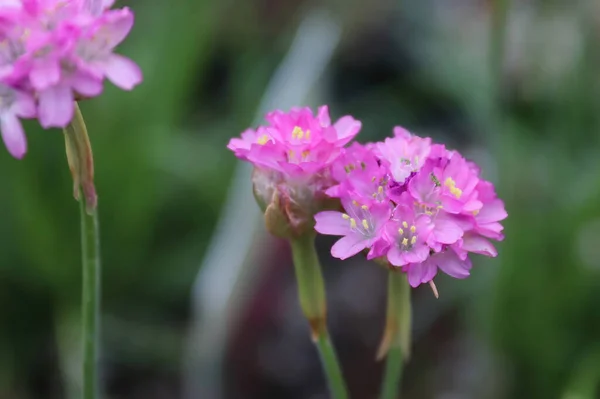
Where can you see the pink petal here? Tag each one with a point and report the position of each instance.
(446, 231)
(396, 256)
(418, 254)
(118, 26)
(45, 75)
(347, 127)
(323, 116)
(13, 135)
(348, 246)
(492, 212)
(450, 264)
(415, 274)
(86, 85)
(24, 106)
(478, 245)
(123, 72)
(332, 223)
(55, 106)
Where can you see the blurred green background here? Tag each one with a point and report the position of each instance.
(513, 85)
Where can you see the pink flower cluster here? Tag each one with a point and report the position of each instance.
(292, 156)
(296, 143)
(413, 203)
(52, 52)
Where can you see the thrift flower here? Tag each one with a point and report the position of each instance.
(56, 51)
(293, 157)
(438, 209)
(361, 225)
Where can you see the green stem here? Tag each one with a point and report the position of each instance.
(311, 290)
(90, 245)
(396, 339)
(393, 374)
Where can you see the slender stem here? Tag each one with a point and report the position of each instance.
(81, 164)
(311, 290)
(90, 245)
(396, 340)
(393, 374)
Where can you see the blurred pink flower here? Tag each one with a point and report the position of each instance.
(56, 51)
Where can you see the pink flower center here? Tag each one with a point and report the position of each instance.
(407, 236)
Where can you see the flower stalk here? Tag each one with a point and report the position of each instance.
(79, 156)
(397, 335)
(311, 290)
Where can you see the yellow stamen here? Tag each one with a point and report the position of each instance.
(413, 240)
(291, 153)
(345, 216)
(400, 231)
(297, 133)
(262, 140)
(405, 242)
(352, 223)
(305, 153)
(355, 203)
(476, 212)
(449, 182)
(365, 207)
(405, 225)
(380, 189)
(365, 223)
(308, 134)
(374, 195)
(413, 228)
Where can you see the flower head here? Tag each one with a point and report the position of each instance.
(438, 208)
(56, 51)
(293, 156)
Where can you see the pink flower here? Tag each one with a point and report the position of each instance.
(56, 51)
(359, 173)
(296, 143)
(404, 153)
(14, 105)
(406, 235)
(361, 226)
(447, 261)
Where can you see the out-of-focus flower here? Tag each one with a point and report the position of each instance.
(55, 51)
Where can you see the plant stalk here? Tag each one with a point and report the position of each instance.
(311, 290)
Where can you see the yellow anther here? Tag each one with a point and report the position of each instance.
(291, 153)
(457, 192)
(405, 242)
(405, 225)
(262, 140)
(297, 133)
(305, 154)
(428, 213)
(413, 240)
(413, 228)
(476, 212)
(352, 223)
(440, 207)
(365, 223)
(374, 195)
(364, 207)
(400, 231)
(345, 216)
(449, 182)
(308, 134)
(355, 203)
(380, 189)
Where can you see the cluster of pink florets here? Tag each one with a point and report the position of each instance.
(53, 52)
(417, 205)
